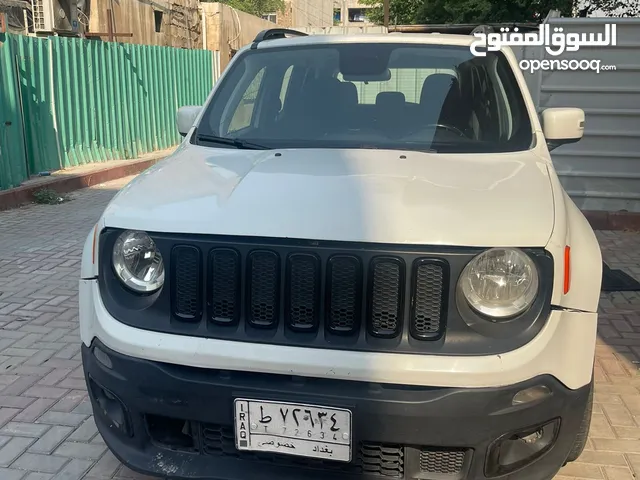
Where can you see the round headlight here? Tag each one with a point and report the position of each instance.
(138, 262)
(500, 283)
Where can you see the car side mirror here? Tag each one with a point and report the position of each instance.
(185, 116)
(561, 126)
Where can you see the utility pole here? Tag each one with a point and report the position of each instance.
(386, 13)
(344, 13)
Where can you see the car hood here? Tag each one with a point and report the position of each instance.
(381, 196)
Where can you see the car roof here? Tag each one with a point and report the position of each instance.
(406, 38)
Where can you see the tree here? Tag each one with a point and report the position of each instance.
(490, 11)
(610, 8)
(407, 12)
(256, 7)
(401, 12)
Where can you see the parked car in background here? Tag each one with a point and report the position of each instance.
(359, 263)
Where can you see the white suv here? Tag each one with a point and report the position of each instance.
(359, 263)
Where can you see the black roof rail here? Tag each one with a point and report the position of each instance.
(273, 33)
(486, 29)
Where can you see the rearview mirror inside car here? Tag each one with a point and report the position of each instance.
(562, 126)
(185, 117)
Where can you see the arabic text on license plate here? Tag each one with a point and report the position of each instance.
(303, 430)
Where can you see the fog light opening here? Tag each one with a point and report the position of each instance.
(530, 395)
(516, 450)
(110, 407)
(171, 433)
(102, 357)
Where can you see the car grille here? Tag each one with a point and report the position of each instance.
(372, 458)
(443, 461)
(369, 459)
(343, 294)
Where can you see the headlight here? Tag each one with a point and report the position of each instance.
(137, 262)
(500, 283)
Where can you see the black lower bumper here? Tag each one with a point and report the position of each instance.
(178, 423)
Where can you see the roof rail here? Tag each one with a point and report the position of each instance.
(486, 29)
(273, 33)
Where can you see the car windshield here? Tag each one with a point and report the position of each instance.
(369, 95)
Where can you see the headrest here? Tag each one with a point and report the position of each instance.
(390, 99)
(348, 93)
(437, 86)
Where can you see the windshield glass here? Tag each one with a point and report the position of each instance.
(370, 95)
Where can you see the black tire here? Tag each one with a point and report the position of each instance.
(583, 432)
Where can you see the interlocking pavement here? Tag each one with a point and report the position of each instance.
(46, 428)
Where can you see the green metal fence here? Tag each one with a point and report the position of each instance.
(13, 166)
(71, 102)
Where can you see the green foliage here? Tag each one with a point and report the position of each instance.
(49, 197)
(488, 11)
(408, 12)
(256, 7)
(612, 8)
(401, 12)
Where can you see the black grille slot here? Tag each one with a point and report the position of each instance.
(224, 286)
(303, 291)
(383, 460)
(264, 288)
(385, 296)
(186, 291)
(428, 306)
(218, 440)
(344, 293)
(443, 461)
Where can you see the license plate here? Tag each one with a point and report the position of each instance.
(293, 429)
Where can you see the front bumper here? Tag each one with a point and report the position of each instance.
(398, 431)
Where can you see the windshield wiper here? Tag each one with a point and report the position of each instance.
(235, 142)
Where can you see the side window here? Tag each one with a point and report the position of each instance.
(244, 112)
(514, 108)
(485, 105)
(285, 84)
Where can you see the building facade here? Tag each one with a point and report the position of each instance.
(175, 23)
(351, 13)
(304, 13)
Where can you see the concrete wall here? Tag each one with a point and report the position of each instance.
(354, 29)
(227, 29)
(306, 13)
(180, 23)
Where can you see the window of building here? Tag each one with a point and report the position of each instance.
(337, 15)
(358, 14)
(157, 17)
(272, 17)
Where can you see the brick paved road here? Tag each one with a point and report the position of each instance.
(46, 430)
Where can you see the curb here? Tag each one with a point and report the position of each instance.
(16, 197)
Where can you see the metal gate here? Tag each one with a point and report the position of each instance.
(13, 160)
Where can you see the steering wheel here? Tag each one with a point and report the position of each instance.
(450, 128)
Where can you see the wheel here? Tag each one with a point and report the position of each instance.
(583, 432)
